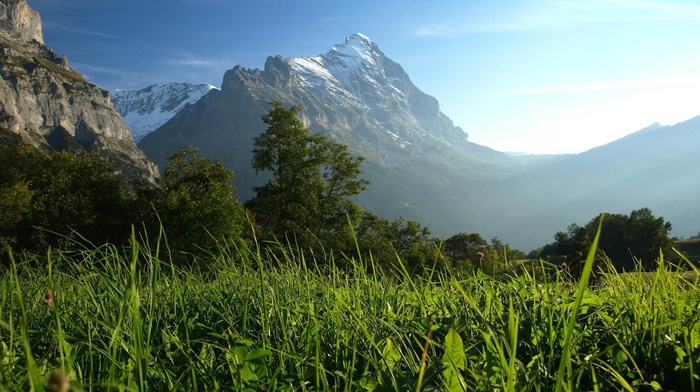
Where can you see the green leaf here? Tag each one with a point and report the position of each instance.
(454, 360)
(248, 373)
(368, 384)
(391, 354)
(454, 351)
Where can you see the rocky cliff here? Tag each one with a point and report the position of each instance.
(20, 22)
(50, 105)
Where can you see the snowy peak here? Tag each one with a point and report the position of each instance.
(147, 109)
(360, 48)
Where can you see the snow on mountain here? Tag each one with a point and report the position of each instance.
(147, 109)
(356, 75)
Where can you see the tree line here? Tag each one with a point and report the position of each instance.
(629, 241)
(57, 199)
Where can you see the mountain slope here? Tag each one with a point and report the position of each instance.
(655, 167)
(146, 109)
(47, 104)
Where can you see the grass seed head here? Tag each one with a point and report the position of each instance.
(59, 381)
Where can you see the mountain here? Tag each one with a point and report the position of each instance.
(146, 109)
(655, 167)
(46, 103)
(421, 166)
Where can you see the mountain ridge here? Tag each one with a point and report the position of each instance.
(412, 151)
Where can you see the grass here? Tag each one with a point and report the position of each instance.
(127, 320)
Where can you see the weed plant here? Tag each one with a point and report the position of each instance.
(108, 319)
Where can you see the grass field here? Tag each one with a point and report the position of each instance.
(251, 322)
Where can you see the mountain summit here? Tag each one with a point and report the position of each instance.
(360, 77)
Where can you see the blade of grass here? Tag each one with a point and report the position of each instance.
(565, 360)
(36, 382)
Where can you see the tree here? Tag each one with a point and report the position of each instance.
(625, 240)
(646, 235)
(313, 180)
(386, 240)
(15, 199)
(195, 204)
(502, 254)
(466, 251)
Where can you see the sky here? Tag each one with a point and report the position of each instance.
(535, 76)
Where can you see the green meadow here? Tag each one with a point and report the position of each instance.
(271, 318)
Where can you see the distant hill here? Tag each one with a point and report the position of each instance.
(656, 167)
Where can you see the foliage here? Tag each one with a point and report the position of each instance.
(467, 251)
(54, 199)
(49, 198)
(383, 241)
(195, 204)
(308, 198)
(646, 236)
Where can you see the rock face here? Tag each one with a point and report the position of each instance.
(51, 106)
(147, 109)
(20, 22)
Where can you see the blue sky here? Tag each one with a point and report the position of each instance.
(531, 76)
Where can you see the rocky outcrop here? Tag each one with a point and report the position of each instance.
(19, 22)
(50, 105)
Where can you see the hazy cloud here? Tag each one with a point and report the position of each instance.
(77, 30)
(91, 69)
(195, 61)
